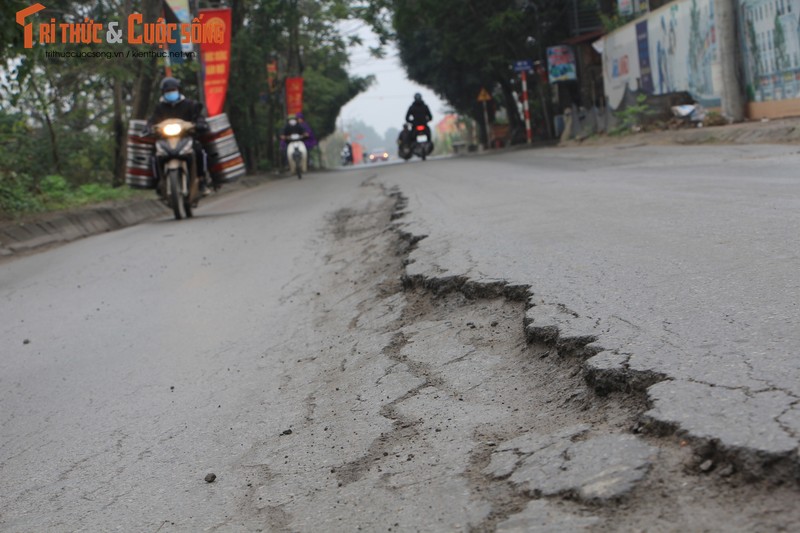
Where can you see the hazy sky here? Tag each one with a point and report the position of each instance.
(383, 106)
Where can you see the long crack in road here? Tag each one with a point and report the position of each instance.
(433, 409)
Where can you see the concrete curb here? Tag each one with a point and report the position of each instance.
(21, 237)
(24, 237)
(781, 131)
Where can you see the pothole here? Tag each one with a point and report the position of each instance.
(437, 409)
(481, 383)
(575, 432)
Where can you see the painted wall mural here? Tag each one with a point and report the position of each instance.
(675, 49)
(770, 37)
(671, 49)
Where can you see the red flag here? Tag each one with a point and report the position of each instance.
(272, 74)
(216, 57)
(294, 96)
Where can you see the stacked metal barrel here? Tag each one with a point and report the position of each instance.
(225, 163)
(139, 167)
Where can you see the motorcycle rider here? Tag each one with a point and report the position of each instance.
(419, 114)
(173, 104)
(292, 126)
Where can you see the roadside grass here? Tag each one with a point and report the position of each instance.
(21, 197)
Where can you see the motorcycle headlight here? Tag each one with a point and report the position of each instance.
(171, 130)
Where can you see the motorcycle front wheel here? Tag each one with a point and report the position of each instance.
(298, 166)
(174, 192)
(187, 200)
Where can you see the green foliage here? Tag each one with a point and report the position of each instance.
(278, 30)
(66, 117)
(633, 116)
(614, 22)
(16, 196)
(56, 114)
(328, 87)
(331, 149)
(457, 47)
(21, 146)
(327, 94)
(19, 195)
(10, 34)
(54, 188)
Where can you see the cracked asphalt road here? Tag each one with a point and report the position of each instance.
(337, 372)
(672, 265)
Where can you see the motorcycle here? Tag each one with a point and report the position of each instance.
(176, 166)
(347, 156)
(415, 140)
(298, 155)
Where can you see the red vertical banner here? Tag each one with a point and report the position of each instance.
(215, 56)
(294, 96)
(272, 75)
(358, 154)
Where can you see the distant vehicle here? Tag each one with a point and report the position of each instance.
(378, 155)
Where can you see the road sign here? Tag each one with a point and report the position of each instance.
(484, 95)
(523, 65)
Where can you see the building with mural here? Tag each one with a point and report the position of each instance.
(671, 49)
(770, 37)
(674, 49)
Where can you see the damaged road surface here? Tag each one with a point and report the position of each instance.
(375, 353)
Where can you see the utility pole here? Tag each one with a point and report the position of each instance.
(525, 108)
(733, 100)
(194, 9)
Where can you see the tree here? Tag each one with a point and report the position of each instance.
(82, 104)
(457, 47)
(10, 34)
(77, 110)
(364, 134)
(303, 37)
(328, 87)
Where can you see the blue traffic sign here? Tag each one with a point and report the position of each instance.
(523, 65)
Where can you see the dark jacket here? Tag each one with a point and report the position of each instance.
(419, 113)
(297, 128)
(184, 109)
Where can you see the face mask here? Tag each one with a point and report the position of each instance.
(172, 96)
(292, 122)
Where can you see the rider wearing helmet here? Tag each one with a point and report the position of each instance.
(419, 113)
(293, 126)
(173, 104)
